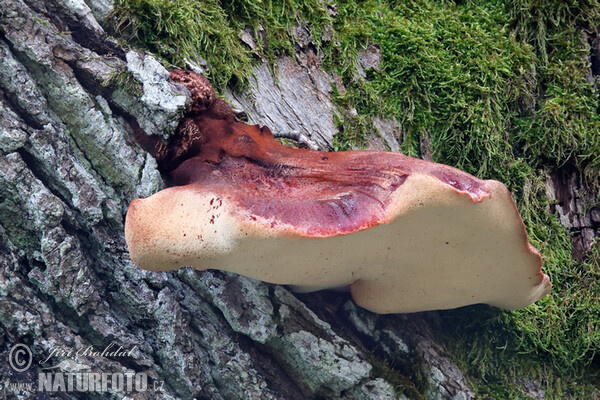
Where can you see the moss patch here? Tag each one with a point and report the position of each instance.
(124, 80)
(503, 89)
(403, 385)
(210, 30)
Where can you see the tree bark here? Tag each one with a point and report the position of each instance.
(69, 95)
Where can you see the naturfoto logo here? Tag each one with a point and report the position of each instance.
(70, 375)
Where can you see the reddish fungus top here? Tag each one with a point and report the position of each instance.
(317, 193)
(244, 203)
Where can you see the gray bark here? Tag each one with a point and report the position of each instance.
(68, 169)
(576, 207)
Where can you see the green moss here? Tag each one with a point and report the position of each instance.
(272, 23)
(352, 131)
(124, 80)
(180, 30)
(403, 384)
(503, 90)
(564, 126)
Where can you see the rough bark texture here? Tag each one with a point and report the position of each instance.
(576, 208)
(69, 97)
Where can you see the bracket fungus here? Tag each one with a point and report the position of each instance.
(404, 234)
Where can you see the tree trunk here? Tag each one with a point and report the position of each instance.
(68, 169)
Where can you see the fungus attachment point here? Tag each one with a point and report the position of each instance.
(404, 234)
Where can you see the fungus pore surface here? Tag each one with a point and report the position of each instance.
(403, 233)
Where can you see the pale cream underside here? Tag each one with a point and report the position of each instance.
(440, 251)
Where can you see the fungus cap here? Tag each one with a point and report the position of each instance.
(432, 246)
(404, 234)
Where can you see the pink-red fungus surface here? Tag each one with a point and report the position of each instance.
(404, 234)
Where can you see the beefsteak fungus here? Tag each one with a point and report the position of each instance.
(404, 234)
